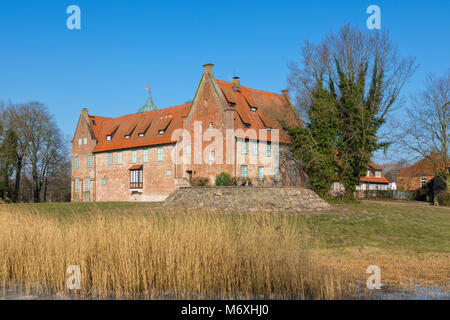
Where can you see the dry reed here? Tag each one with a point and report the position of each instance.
(148, 255)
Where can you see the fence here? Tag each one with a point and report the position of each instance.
(387, 194)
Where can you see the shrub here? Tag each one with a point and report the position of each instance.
(223, 179)
(199, 182)
(443, 198)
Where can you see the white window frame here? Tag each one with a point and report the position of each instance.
(423, 182)
(145, 155)
(244, 147)
(110, 158)
(119, 158)
(188, 149)
(244, 173)
(255, 148)
(160, 154)
(90, 161)
(85, 141)
(260, 173)
(133, 156)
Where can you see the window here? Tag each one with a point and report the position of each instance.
(108, 138)
(160, 154)
(104, 182)
(161, 131)
(136, 179)
(255, 148)
(277, 176)
(77, 184)
(110, 159)
(141, 135)
(211, 156)
(268, 149)
(90, 161)
(119, 158)
(244, 147)
(133, 156)
(127, 137)
(188, 149)
(253, 108)
(260, 173)
(87, 184)
(75, 163)
(244, 171)
(293, 175)
(423, 182)
(80, 142)
(145, 155)
(168, 173)
(368, 173)
(85, 141)
(378, 174)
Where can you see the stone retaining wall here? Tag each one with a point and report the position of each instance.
(245, 199)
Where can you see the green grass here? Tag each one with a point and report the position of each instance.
(393, 225)
(409, 226)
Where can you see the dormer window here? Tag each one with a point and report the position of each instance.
(108, 138)
(378, 174)
(231, 104)
(141, 135)
(127, 137)
(268, 129)
(247, 125)
(253, 109)
(162, 131)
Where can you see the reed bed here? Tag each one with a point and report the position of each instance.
(141, 254)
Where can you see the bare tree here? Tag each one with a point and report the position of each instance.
(353, 49)
(427, 131)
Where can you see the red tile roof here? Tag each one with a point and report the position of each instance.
(136, 167)
(270, 111)
(96, 123)
(425, 167)
(372, 167)
(119, 128)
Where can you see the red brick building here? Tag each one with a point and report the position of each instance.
(419, 174)
(146, 156)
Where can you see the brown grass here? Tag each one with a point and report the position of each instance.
(398, 269)
(154, 256)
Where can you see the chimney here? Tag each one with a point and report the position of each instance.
(237, 82)
(208, 67)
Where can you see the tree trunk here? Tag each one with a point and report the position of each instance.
(15, 193)
(45, 189)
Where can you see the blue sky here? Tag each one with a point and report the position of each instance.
(124, 45)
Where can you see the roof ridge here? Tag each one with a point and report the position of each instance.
(248, 88)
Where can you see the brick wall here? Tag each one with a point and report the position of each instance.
(411, 183)
(82, 152)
